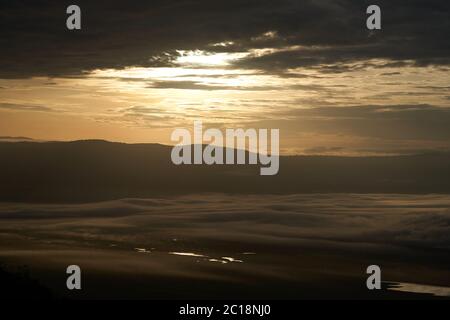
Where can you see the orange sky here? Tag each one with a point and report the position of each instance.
(140, 104)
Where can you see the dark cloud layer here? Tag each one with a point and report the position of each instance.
(406, 122)
(116, 34)
(193, 85)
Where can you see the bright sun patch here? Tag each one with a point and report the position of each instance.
(203, 58)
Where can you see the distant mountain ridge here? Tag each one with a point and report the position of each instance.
(14, 139)
(95, 170)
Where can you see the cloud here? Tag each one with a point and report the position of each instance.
(117, 34)
(323, 150)
(405, 122)
(8, 138)
(391, 74)
(22, 107)
(194, 85)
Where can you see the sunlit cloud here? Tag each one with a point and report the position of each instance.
(202, 58)
(214, 87)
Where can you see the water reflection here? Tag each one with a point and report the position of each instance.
(223, 260)
(230, 259)
(142, 250)
(189, 254)
(419, 288)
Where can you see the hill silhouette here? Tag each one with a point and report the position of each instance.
(99, 170)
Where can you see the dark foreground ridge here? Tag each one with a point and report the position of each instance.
(19, 285)
(99, 170)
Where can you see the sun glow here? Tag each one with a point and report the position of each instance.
(141, 73)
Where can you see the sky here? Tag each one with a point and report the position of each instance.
(138, 70)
